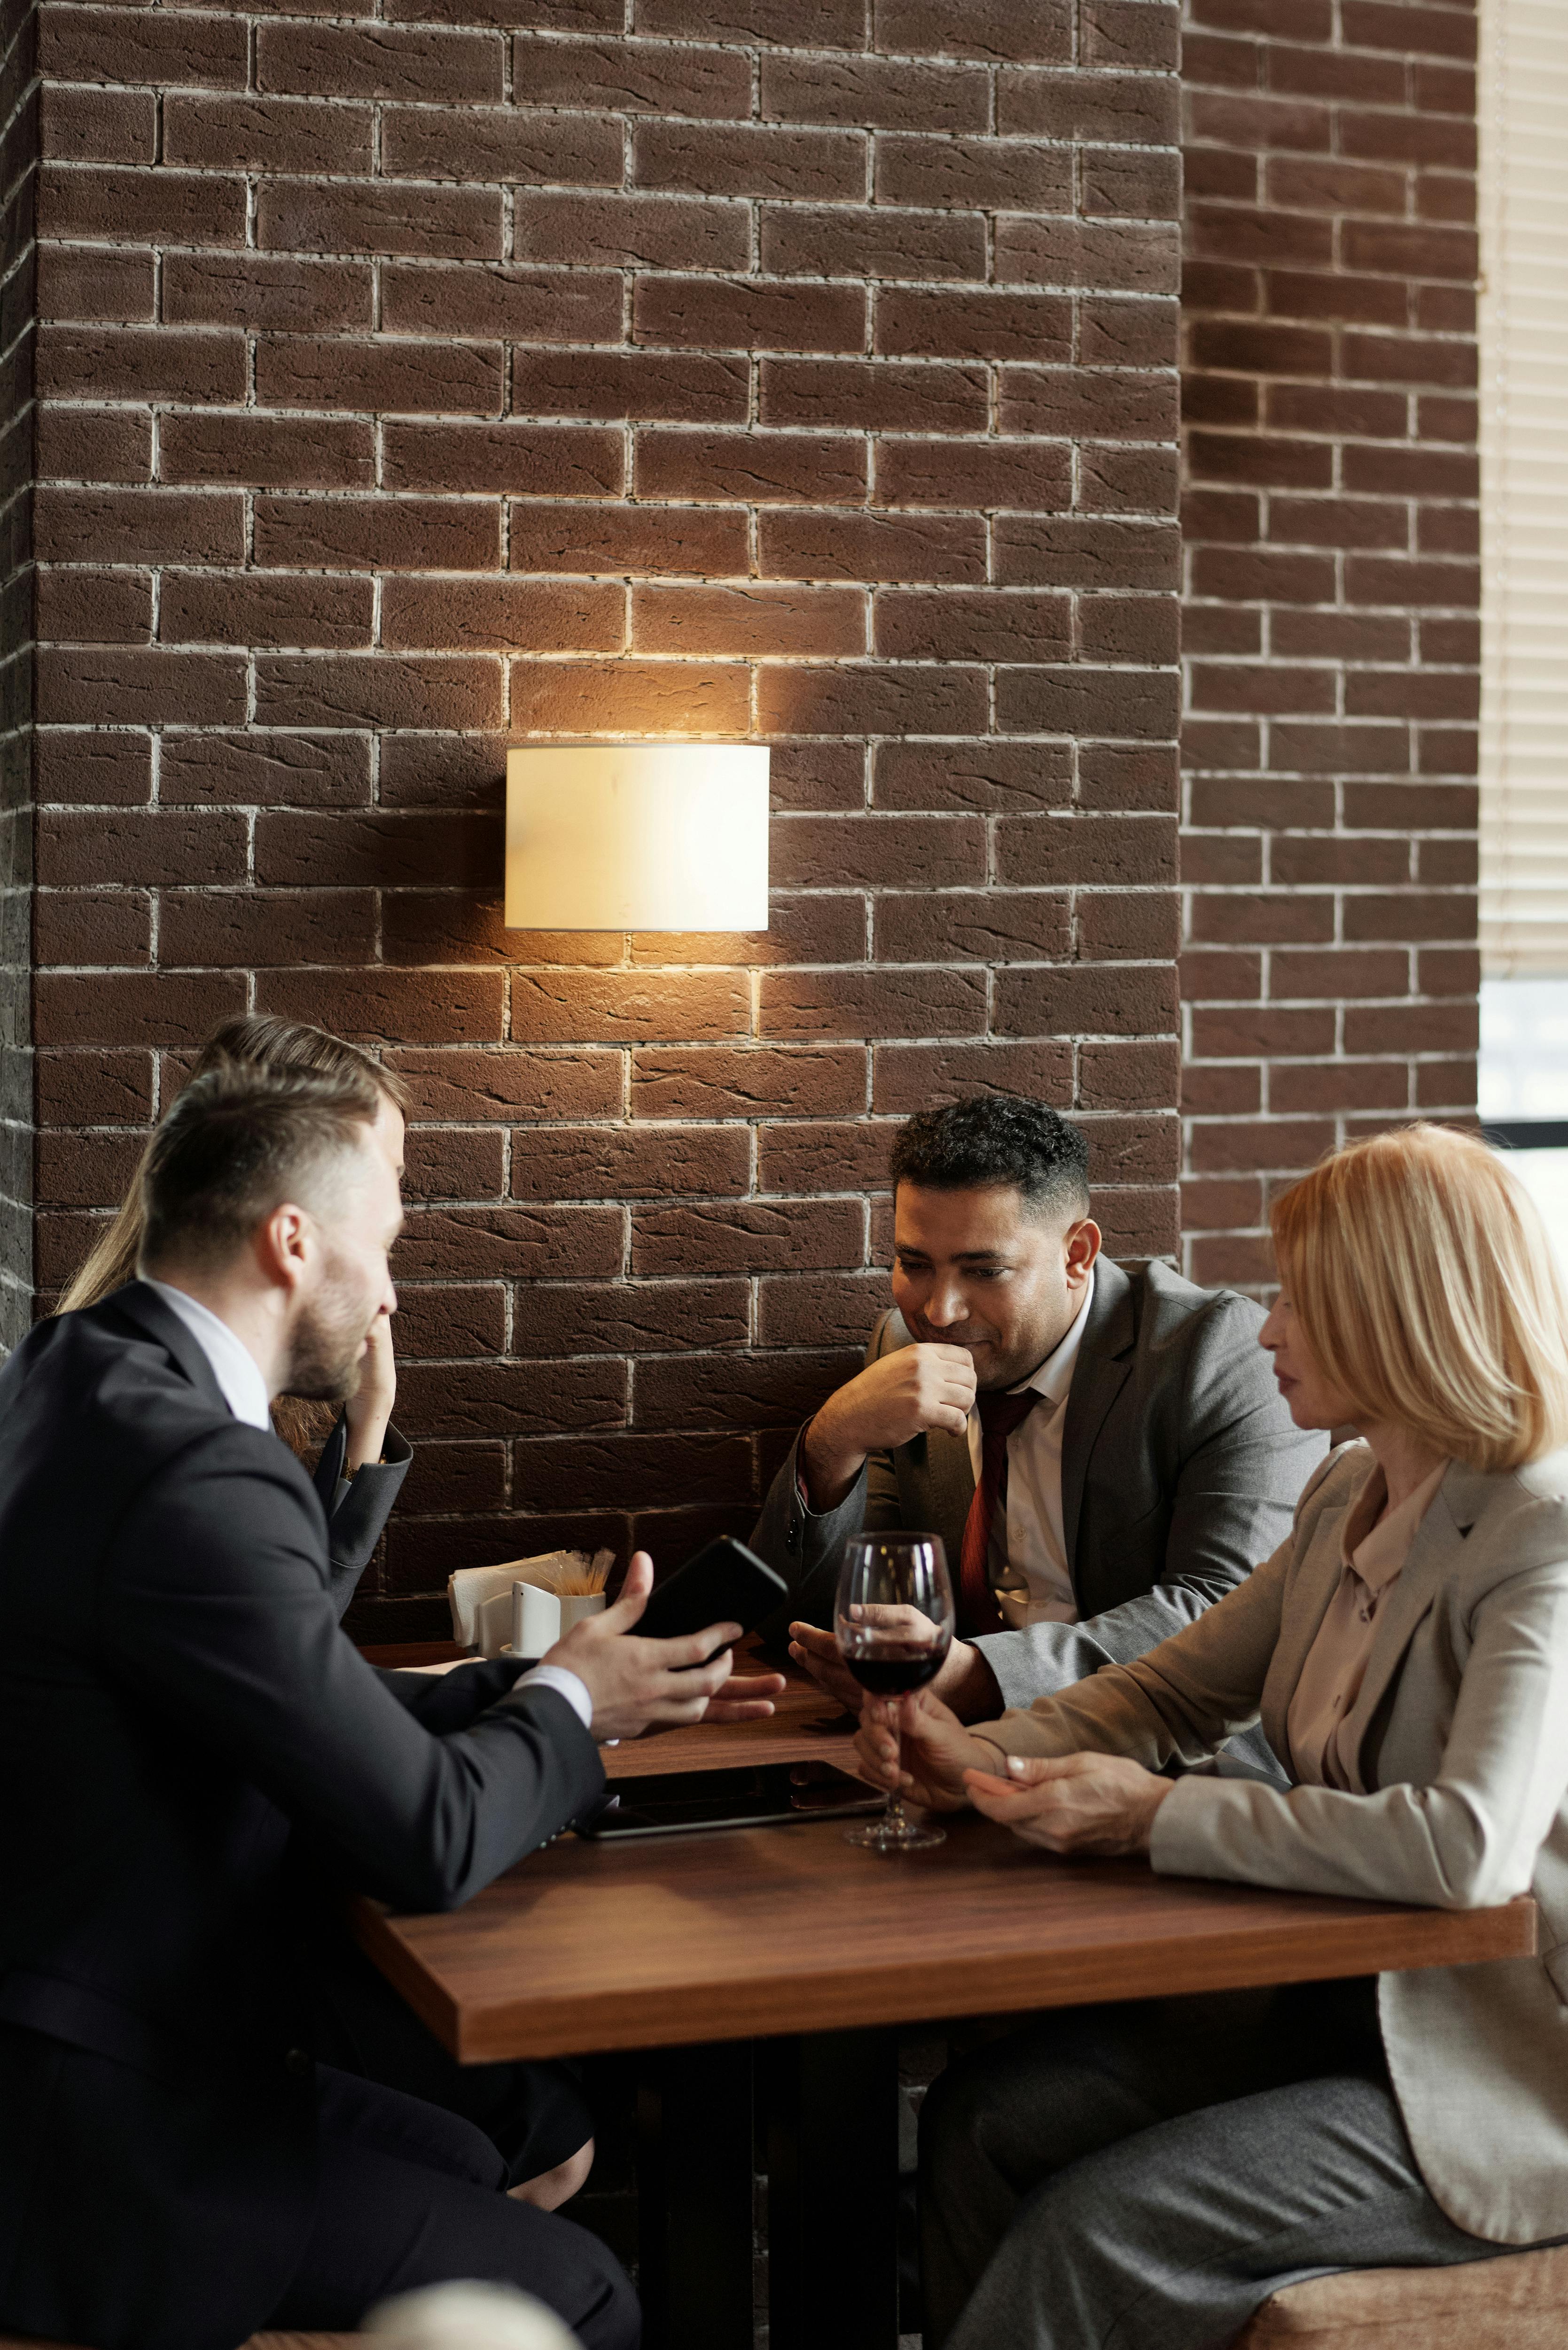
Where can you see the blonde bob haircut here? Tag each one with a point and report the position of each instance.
(1427, 1289)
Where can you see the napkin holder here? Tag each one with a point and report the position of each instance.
(539, 1617)
(482, 1603)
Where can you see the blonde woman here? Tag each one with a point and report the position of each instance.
(1148, 2175)
(363, 1459)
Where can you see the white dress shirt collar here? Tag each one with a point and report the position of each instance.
(1054, 1376)
(234, 1366)
(1030, 1570)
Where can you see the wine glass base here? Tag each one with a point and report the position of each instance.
(896, 1835)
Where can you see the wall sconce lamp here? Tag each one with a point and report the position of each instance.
(637, 836)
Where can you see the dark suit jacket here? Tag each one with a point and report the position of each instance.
(357, 1517)
(1180, 1468)
(176, 1701)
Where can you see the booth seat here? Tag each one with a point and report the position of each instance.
(256, 2342)
(1516, 2302)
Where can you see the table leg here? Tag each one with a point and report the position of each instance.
(695, 2198)
(832, 2102)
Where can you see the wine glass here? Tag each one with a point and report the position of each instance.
(893, 1621)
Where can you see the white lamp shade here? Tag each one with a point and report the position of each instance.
(637, 836)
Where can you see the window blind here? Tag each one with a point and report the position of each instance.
(1523, 203)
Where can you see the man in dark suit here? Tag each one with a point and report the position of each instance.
(177, 1703)
(1104, 1454)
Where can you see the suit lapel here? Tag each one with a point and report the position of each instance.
(1439, 1537)
(1311, 1589)
(950, 1476)
(1098, 1377)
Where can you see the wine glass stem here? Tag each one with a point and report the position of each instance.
(895, 1800)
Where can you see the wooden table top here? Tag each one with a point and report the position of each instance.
(750, 1932)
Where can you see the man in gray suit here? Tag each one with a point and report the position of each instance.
(1104, 1454)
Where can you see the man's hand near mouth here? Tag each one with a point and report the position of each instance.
(916, 1389)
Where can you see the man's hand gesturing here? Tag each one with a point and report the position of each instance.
(638, 1685)
(906, 1393)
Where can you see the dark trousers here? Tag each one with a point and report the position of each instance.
(535, 2114)
(411, 2195)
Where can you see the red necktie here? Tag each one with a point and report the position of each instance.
(1000, 1414)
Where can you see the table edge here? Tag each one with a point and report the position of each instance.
(1394, 1940)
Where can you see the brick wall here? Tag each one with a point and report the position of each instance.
(18, 181)
(414, 382)
(1330, 631)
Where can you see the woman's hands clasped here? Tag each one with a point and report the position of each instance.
(1093, 1805)
(1085, 1805)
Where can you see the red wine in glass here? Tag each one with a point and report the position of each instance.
(893, 1622)
(886, 1674)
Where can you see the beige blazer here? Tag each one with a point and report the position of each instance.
(1460, 1736)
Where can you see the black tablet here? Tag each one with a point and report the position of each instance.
(762, 1796)
(725, 1583)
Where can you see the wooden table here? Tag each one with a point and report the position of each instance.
(788, 1946)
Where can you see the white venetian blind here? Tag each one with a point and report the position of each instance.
(1523, 105)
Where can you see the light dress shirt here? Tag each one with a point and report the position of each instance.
(235, 1369)
(239, 1376)
(1028, 1565)
(1372, 1552)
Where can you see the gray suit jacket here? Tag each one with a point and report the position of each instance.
(1181, 1467)
(1460, 1799)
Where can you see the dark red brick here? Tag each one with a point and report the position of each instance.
(883, 96)
(715, 1081)
(301, 371)
(578, 537)
(500, 143)
(339, 216)
(270, 134)
(138, 44)
(623, 1163)
(773, 467)
(731, 314)
(746, 1236)
(543, 305)
(377, 61)
(633, 77)
(809, 543)
(262, 290)
(553, 460)
(752, 619)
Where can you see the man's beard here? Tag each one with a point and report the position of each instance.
(327, 1352)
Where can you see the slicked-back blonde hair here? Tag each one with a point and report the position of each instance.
(251, 1037)
(1427, 1289)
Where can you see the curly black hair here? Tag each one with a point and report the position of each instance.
(989, 1141)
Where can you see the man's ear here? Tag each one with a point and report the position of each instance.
(282, 1246)
(1081, 1247)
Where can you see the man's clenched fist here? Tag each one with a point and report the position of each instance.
(904, 1394)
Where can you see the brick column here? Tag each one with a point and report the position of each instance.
(408, 388)
(1330, 632)
(18, 187)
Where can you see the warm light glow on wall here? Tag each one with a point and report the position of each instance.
(637, 836)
